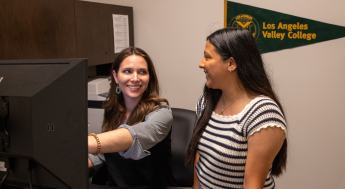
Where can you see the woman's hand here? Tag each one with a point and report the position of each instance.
(90, 163)
(263, 146)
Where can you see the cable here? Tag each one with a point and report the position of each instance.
(30, 173)
(30, 182)
(8, 166)
(4, 178)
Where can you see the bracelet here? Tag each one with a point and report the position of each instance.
(98, 144)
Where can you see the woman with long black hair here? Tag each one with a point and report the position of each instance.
(239, 140)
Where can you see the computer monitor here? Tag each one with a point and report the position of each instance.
(43, 123)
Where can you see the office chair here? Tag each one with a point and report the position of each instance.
(182, 130)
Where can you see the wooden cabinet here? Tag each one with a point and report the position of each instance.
(53, 29)
(37, 29)
(93, 42)
(15, 30)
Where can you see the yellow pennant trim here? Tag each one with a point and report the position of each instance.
(225, 12)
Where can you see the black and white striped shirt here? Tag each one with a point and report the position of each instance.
(223, 145)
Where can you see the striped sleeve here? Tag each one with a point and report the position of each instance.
(200, 106)
(265, 113)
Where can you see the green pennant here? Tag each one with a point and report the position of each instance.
(276, 31)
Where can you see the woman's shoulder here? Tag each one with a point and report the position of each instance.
(161, 110)
(261, 105)
(263, 112)
(263, 101)
(258, 105)
(162, 114)
(163, 106)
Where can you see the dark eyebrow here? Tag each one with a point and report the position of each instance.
(126, 69)
(205, 53)
(145, 69)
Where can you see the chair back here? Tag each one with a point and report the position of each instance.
(182, 130)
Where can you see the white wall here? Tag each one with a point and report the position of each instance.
(309, 80)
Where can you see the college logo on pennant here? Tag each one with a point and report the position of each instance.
(246, 21)
(277, 31)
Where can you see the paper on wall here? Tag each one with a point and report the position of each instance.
(121, 32)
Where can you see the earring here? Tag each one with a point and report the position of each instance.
(230, 71)
(118, 90)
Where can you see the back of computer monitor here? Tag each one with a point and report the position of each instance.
(46, 122)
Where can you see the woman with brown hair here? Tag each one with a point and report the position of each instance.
(240, 137)
(135, 143)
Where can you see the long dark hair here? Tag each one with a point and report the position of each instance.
(239, 44)
(114, 106)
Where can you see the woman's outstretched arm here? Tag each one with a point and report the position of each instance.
(142, 136)
(113, 141)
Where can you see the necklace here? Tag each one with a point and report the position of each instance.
(230, 102)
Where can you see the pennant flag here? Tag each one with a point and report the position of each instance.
(276, 31)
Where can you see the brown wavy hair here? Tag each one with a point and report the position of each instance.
(239, 44)
(114, 106)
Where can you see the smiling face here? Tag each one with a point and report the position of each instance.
(132, 77)
(216, 70)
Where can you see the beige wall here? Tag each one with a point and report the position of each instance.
(309, 80)
(173, 33)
